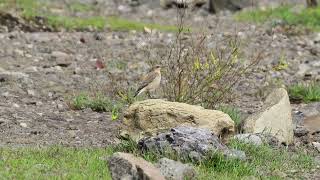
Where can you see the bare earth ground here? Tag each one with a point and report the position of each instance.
(40, 70)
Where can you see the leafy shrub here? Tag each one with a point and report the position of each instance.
(195, 74)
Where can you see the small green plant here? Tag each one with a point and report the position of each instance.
(97, 102)
(282, 64)
(305, 92)
(100, 102)
(234, 114)
(81, 101)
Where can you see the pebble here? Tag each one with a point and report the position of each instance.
(15, 105)
(18, 52)
(31, 92)
(316, 145)
(24, 125)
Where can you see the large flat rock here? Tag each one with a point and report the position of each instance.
(155, 115)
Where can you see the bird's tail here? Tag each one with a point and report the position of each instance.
(139, 91)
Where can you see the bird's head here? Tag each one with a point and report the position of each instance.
(156, 68)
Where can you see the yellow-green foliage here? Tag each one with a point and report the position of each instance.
(282, 64)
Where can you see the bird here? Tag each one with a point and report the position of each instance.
(151, 81)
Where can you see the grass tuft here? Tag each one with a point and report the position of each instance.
(305, 92)
(234, 114)
(97, 102)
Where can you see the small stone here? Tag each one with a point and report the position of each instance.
(28, 56)
(31, 92)
(300, 131)
(236, 154)
(24, 125)
(98, 36)
(124, 9)
(62, 59)
(172, 170)
(147, 30)
(249, 138)
(61, 107)
(18, 52)
(127, 166)
(31, 69)
(316, 145)
(5, 94)
(15, 105)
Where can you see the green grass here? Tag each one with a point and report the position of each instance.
(80, 7)
(75, 23)
(305, 92)
(30, 9)
(88, 163)
(97, 102)
(309, 18)
(234, 114)
(120, 24)
(53, 163)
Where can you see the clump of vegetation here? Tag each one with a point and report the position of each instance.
(97, 102)
(282, 64)
(195, 74)
(234, 114)
(308, 17)
(307, 93)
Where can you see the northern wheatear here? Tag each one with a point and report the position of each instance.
(151, 81)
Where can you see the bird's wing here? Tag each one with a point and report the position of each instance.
(148, 79)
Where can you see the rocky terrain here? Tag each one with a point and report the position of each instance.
(40, 70)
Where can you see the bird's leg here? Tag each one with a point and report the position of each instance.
(149, 95)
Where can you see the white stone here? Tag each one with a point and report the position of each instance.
(274, 117)
(24, 125)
